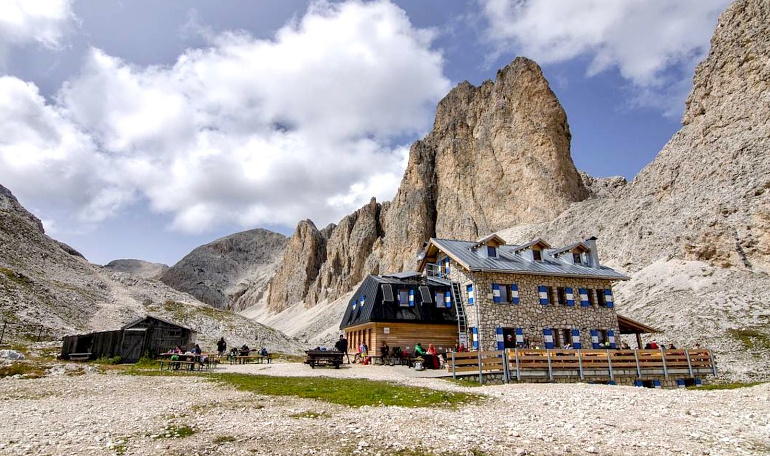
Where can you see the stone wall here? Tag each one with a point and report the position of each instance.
(529, 314)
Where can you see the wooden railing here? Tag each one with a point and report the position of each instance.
(521, 364)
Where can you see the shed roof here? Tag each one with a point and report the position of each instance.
(508, 260)
(141, 319)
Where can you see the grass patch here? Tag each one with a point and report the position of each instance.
(354, 393)
(310, 414)
(20, 368)
(223, 439)
(16, 277)
(756, 338)
(726, 386)
(465, 381)
(108, 360)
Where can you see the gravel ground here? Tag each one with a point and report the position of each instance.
(110, 413)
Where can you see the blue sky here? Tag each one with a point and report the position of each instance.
(143, 129)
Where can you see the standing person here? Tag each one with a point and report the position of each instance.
(221, 346)
(342, 346)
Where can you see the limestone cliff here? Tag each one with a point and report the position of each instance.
(498, 155)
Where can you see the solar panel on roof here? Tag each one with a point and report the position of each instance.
(425, 293)
(387, 292)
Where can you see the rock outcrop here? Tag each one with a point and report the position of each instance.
(232, 272)
(498, 156)
(139, 268)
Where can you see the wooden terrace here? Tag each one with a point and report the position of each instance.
(604, 366)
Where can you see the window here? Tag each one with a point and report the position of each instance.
(491, 251)
(403, 297)
(600, 300)
(591, 298)
(440, 300)
(504, 293)
(537, 255)
(577, 258)
(561, 296)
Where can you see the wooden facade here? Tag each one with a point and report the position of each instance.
(148, 336)
(403, 335)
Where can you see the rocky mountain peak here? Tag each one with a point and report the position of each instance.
(10, 205)
(498, 155)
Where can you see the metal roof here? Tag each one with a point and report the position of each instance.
(509, 261)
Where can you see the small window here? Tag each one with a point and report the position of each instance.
(439, 295)
(591, 298)
(504, 293)
(403, 297)
(491, 251)
(561, 296)
(537, 255)
(600, 300)
(577, 258)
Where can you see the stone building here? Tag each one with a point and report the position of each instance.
(527, 295)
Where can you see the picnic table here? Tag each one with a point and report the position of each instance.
(324, 358)
(244, 359)
(188, 361)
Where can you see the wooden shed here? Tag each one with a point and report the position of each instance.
(400, 309)
(148, 335)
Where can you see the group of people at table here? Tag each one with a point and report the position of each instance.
(430, 358)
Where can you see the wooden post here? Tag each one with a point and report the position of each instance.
(518, 369)
(550, 368)
(580, 365)
(689, 364)
(609, 366)
(638, 341)
(454, 366)
(506, 370)
(638, 368)
(663, 358)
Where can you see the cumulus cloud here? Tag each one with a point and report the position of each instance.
(244, 131)
(40, 21)
(653, 44)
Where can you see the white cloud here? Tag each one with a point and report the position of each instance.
(245, 131)
(652, 43)
(39, 21)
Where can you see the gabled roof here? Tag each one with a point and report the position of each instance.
(508, 260)
(519, 248)
(629, 326)
(141, 319)
(489, 237)
(561, 250)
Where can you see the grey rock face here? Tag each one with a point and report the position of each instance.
(231, 272)
(139, 268)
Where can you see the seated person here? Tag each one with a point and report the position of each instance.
(384, 352)
(244, 351)
(427, 358)
(433, 353)
(263, 352)
(398, 354)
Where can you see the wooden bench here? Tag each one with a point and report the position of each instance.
(324, 358)
(79, 356)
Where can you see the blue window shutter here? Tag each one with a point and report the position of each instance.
(608, 298)
(611, 338)
(475, 337)
(411, 298)
(519, 335)
(499, 337)
(515, 293)
(496, 293)
(448, 299)
(542, 292)
(570, 296)
(469, 289)
(576, 339)
(595, 338)
(584, 302)
(548, 338)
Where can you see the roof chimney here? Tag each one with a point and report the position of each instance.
(594, 253)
